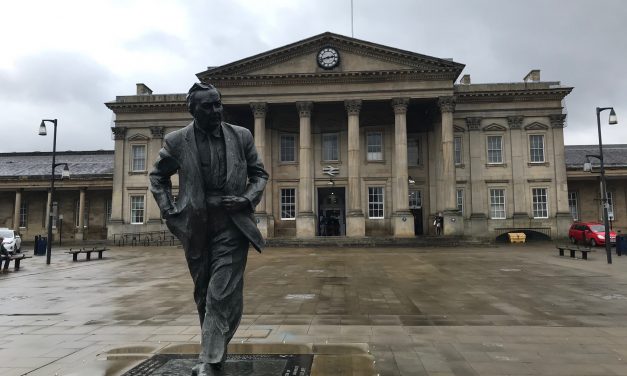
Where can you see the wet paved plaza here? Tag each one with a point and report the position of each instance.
(507, 310)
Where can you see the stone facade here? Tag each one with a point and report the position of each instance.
(407, 142)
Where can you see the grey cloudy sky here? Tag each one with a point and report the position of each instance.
(63, 59)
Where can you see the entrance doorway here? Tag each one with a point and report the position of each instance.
(417, 212)
(331, 212)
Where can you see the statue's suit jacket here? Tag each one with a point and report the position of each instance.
(245, 177)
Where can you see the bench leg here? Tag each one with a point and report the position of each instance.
(16, 267)
(561, 252)
(88, 256)
(572, 253)
(99, 255)
(584, 255)
(6, 264)
(74, 256)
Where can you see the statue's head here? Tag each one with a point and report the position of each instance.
(205, 104)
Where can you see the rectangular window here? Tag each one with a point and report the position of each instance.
(288, 204)
(610, 206)
(536, 148)
(415, 199)
(288, 148)
(374, 142)
(330, 147)
(495, 149)
(540, 203)
(139, 157)
(85, 213)
(375, 202)
(458, 150)
(460, 200)
(573, 205)
(108, 211)
(23, 214)
(497, 203)
(137, 210)
(414, 152)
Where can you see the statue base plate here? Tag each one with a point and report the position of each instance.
(235, 365)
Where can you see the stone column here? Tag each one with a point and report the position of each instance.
(153, 213)
(80, 231)
(259, 112)
(402, 219)
(355, 221)
(519, 167)
(269, 192)
(305, 219)
(478, 213)
(562, 215)
(117, 193)
(16, 211)
(452, 218)
(48, 201)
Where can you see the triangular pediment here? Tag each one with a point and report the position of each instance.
(138, 137)
(536, 126)
(355, 56)
(457, 128)
(494, 128)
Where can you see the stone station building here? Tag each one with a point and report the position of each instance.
(362, 139)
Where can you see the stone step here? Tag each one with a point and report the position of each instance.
(339, 241)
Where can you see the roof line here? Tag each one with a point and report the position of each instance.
(46, 153)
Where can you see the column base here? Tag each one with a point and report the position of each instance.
(521, 220)
(261, 219)
(453, 223)
(305, 225)
(564, 220)
(355, 225)
(403, 224)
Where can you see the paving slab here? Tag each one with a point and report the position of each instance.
(504, 310)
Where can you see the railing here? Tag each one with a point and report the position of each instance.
(542, 230)
(146, 238)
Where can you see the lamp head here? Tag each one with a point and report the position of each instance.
(331, 182)
(411, 180)
(587, 166)
(613, 119)
(42, 128)
(65, 174)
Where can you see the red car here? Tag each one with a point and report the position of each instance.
(590, 233)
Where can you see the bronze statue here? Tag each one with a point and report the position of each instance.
(221, 180)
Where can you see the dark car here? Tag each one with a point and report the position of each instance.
(592, 233)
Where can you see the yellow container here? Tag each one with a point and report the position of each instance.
(517, 237)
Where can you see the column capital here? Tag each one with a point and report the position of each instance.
(157, 132)
(400, 105)
(515, 122)
(304, 108)
(259, 109)
(473, 123)
(557, 120)
(353, 106)
(447, 104)
(119, 133)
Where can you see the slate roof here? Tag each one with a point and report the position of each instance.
(37, 165)
(615, 156)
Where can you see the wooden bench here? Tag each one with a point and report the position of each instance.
(573, 249)
(17, 258)
(88, 252)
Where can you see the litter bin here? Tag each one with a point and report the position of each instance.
(621, 245)
(41, 246)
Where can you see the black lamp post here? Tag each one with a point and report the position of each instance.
(588, 167)
(64, 174)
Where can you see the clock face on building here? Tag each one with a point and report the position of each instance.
(328, 58)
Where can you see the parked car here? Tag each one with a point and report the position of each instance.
(590, 233)
(12, 240)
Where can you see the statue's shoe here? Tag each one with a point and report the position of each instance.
(207, 369)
